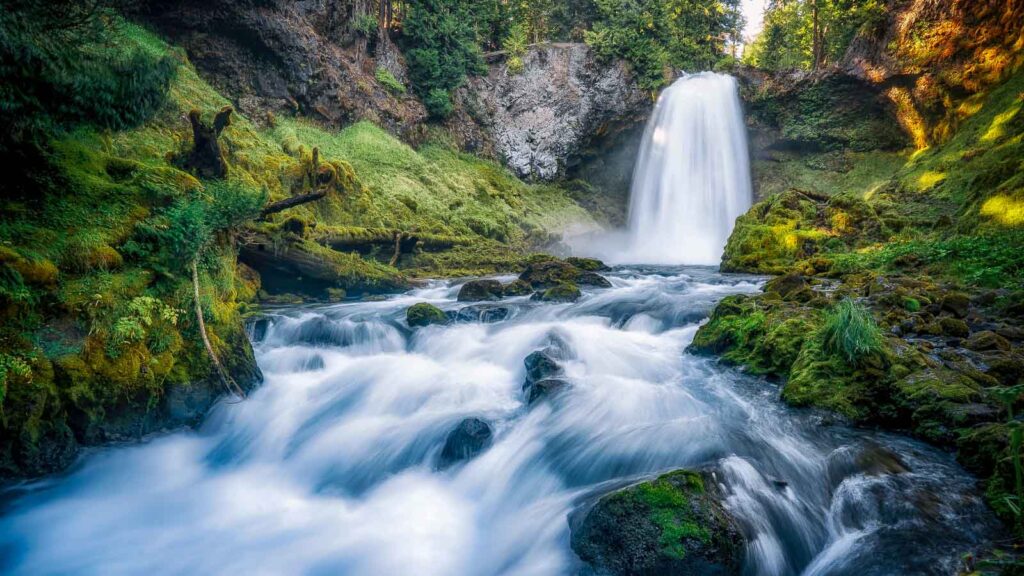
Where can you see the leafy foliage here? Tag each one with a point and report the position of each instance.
(441, 49)
(787, 39)
(657, 35)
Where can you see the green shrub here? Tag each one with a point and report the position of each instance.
(515, 45)
(365, 25)
(388, 80)
(438, 103)
(849, 331)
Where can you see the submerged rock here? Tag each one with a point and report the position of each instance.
(486, 313)
(477, 290)
(545, 389)
(471, 437)
(675, 524)
(424, 314)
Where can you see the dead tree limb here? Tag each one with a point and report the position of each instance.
(225, 378)
(282, 205)
(206, 157)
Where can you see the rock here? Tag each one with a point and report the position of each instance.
(545, 119)
(876, 460)
(540, 365)
(545, 388)
(587, 264)
(424, 314)
(471, 437)
(550, 273)
(954, 327)
(485, 313)
(674, 525)
(477, 290)
(786, 285)
(987, 340)
(517, 288)
(956, 303)
(593, 279)
(564, 292)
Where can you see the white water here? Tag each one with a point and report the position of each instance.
(692, 177)
(329, 468)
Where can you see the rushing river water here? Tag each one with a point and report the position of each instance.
(331, 466)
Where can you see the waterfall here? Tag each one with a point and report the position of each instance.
(692, 178)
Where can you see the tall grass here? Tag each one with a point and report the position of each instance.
(850, 332)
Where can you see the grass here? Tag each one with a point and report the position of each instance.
(850, 332)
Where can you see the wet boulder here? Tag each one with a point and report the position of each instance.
(517, 288)
(542, 364)
(485, 313)
(545, 388)
(956, 303)
(564, 292)
(987, 340)
(424, 314)
(674, 524)
(549, 273)
(588, 264)
(477, 290)
(471, 437)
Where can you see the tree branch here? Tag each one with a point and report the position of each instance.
(282, 205)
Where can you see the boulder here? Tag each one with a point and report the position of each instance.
(477, 290)
(471, 437)
(987, 340)
(588, 264)
(485, 313)
(548, 273)
(424, 314)
(517, 288)
(564, 292)
(542, 364)
(675, 524)
(545, 388)
(956, 303)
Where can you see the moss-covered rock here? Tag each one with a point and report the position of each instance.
(561, 292)
(587, 264)
(479, 290)
(549, 273)
(424, 314)
(517, 288)
(674, 524)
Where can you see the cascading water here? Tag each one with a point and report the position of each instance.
(331, 467)
(692, 177)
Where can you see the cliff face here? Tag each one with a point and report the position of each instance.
(297, 57)
(543, 121)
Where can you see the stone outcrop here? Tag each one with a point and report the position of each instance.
(283, 56)
(545, 120)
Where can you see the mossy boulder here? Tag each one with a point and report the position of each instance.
(587, 264)
(549, 273)
(424, 314)
(479, 290)
(987, 340)
(674, 524)
(517, 288)
(562, 292)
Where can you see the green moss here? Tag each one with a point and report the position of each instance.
(668, 501)
(424, 314)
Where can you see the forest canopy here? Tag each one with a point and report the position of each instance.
(810, 34)
(445, 40)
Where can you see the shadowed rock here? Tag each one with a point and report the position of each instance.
(471, 437)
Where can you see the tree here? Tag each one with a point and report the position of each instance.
(440, 40)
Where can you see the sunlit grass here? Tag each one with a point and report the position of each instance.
(1004, 209)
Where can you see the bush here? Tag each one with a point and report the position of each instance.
(438, 103)
(441, 49)
(515, 45)
(849, 331)
(365, 25)
(388, 80)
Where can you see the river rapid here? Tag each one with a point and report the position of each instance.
(331, 467)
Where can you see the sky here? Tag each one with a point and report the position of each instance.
(753, 11)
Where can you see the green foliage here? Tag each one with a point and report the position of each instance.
(656, 35)
(786, 40)
(515, 45)
(441, 49)
(365, 25)
(388, 80)
(850, 332)
(94, 72)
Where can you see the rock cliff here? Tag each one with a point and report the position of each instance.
(544, 121)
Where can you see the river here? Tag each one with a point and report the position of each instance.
(331, 466)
